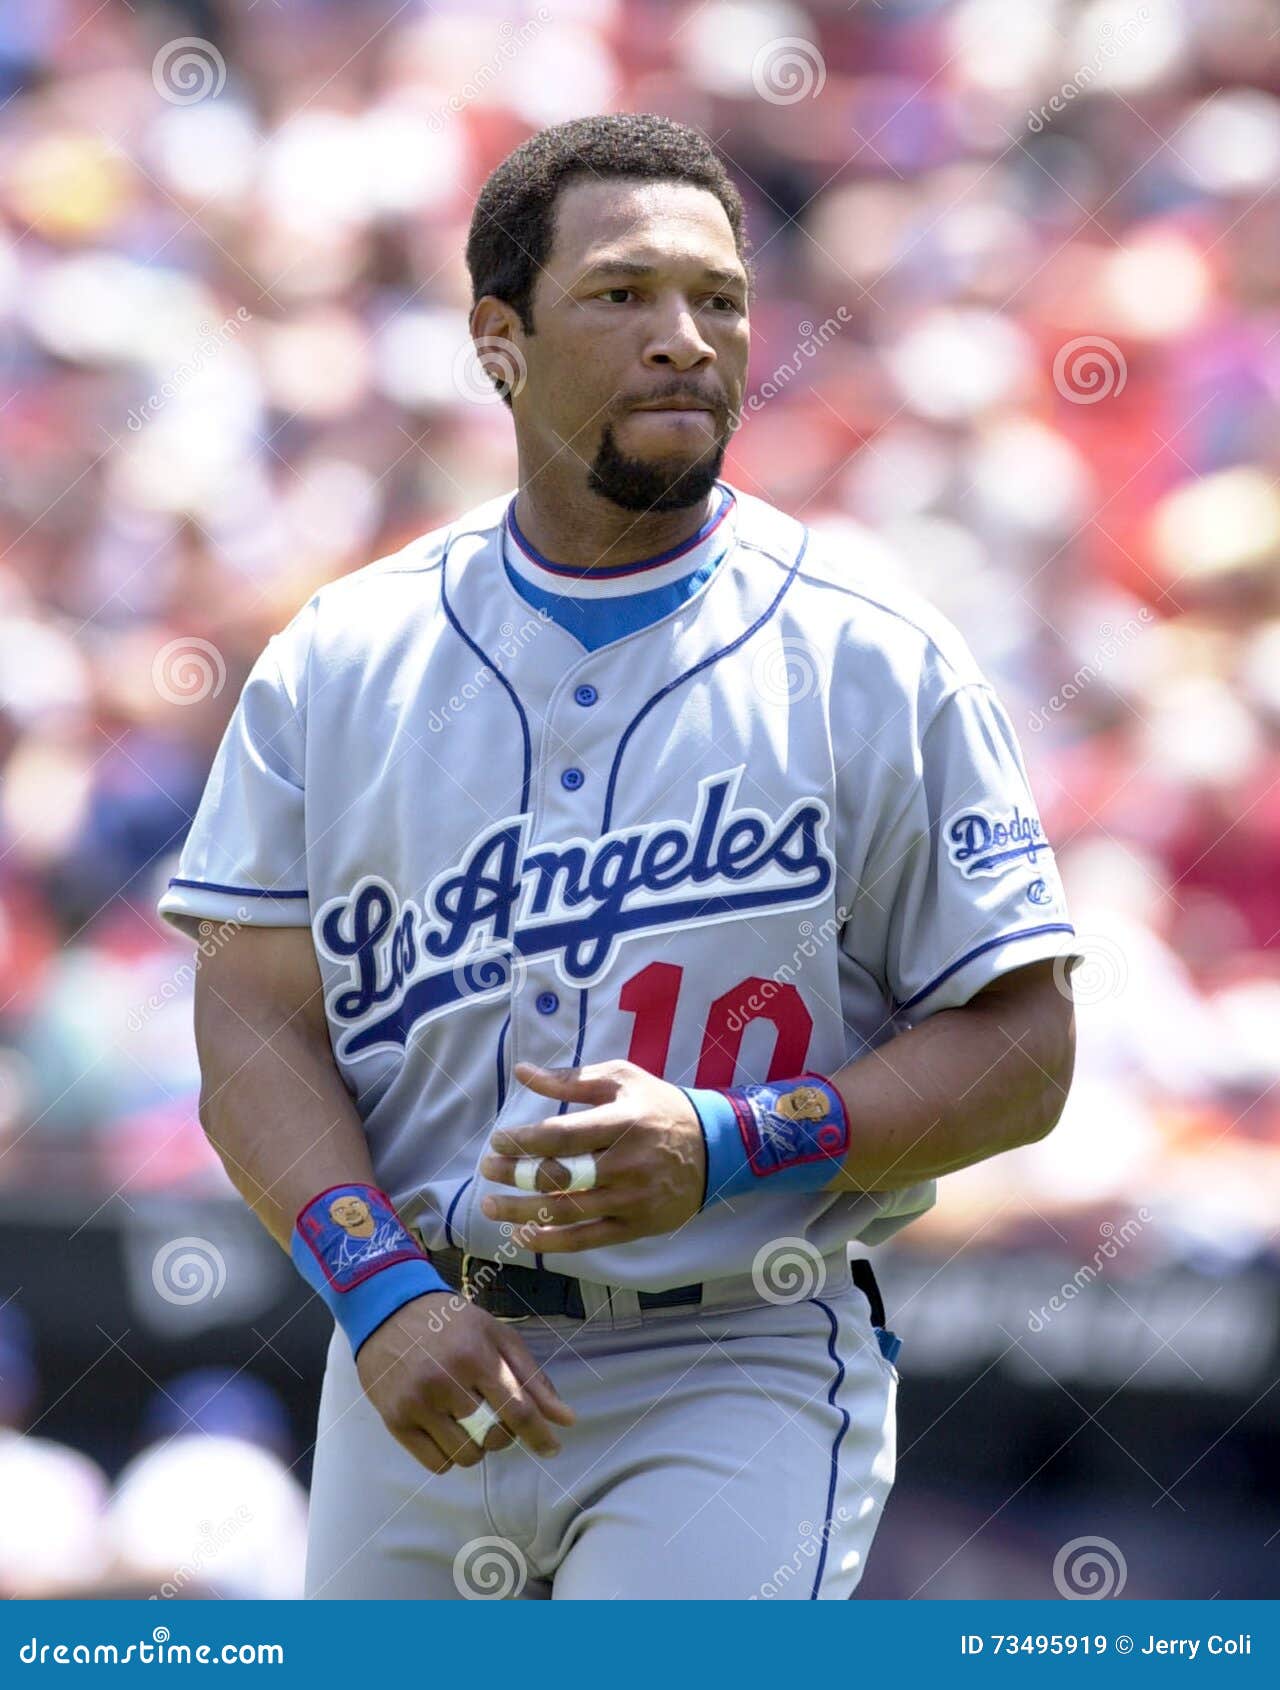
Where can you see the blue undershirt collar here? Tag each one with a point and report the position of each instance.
(600, 606)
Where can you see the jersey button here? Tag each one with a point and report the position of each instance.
(572, 779)
(585, 695)
(547, 1003)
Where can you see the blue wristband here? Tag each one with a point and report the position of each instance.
(785, 1135)
(351, 1246)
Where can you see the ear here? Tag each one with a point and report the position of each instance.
(493, 319)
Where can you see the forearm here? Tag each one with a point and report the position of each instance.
(967, 1084)
(272, 1102)
(275, 1108)
(283, 1126)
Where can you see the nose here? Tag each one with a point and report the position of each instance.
(677, 344)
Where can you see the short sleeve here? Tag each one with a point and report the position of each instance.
(245, 856)
(962, 881)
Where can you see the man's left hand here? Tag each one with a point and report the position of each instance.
(650, 1159)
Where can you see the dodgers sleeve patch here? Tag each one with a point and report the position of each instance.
(351, 1246)
(785, 1135)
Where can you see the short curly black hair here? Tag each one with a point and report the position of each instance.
(513, 224)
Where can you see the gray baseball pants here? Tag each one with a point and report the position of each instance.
(737, 1450)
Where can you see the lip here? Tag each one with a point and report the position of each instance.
(673, 405)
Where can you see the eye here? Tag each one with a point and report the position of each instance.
(727, 300)
(608, 291)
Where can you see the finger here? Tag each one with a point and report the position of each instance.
(585, 1235)
(422, 1447)
(546, 1210)
(457, 1444)
(534, 1380)
(596, 1083)
(452, 1405)
(569, 1135)
(544, 1394)
(441, 1415)
(517, 1408)
(495, 1436)
(552, 1175)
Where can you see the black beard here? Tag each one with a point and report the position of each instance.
(635, 485)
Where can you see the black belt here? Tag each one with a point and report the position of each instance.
(510, 1292)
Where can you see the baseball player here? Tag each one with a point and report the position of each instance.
(637, 905)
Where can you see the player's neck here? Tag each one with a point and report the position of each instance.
(591, 533)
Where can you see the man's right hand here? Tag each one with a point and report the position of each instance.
(435, 1360)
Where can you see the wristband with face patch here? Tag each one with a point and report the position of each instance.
(784, 1135)
(351, 1246)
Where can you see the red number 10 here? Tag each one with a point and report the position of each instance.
(652, 994)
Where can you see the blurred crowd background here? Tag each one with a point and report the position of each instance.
(1018, 340)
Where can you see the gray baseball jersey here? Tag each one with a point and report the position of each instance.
(758, 835)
